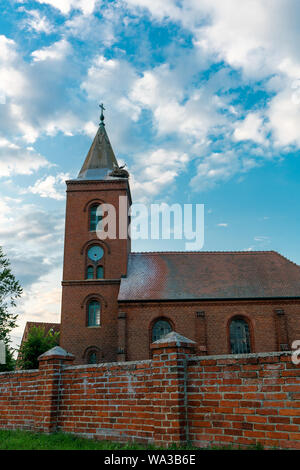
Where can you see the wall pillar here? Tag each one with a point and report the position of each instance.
(201, 333)
(122, 337)
(281, 330)
(170, 355)
(48, 391)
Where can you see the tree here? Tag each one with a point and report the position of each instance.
(37, 342)
(10, 290)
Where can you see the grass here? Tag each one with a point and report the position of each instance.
(25, 440)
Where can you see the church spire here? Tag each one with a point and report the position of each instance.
(100, 160)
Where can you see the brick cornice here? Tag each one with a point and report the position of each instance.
(106, 185)
(203, 302)
(88, 282)
(114, 181)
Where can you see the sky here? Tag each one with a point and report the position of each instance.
(202, 103)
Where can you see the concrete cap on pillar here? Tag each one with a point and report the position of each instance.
(58, 353)
(173, 339)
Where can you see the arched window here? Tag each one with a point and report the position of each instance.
(160, 328)
(239, 336)
(90, 272)
(93, 313)
(100, 273)
(94, 262)
(92, 357)
(95, 217)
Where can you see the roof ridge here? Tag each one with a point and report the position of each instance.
(287, 259)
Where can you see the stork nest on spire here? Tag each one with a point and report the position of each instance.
(119, 172)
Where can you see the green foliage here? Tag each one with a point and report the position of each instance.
(10, 290)
(38, 342)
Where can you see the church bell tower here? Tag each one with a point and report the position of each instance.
(93, 266)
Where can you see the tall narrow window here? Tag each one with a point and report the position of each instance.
(160, 328)
(93, 313)
(100, 272)
(239, 336)
(95, 217)
(90, 272)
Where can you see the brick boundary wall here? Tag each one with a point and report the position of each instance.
(175, 397)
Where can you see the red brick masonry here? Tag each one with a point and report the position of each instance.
(176, 397)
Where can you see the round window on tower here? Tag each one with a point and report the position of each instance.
(95, 253)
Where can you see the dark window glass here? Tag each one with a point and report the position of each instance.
(92, 357)
(90, 272)
(95, 218)
(160, 328)
(94, 313)
(239, 337)
(100, 272)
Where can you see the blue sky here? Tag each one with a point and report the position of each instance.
(202, 103)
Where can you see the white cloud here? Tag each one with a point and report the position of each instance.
(90, 129)
(34, 94)
(15, 160)
(258, 38)
(65, 6)
(108, 76)
(57, 51)
(284, 117)
(163, 91)
(159, 9)
(251, 128)
(218, 167)
(92, 28)
(262, 239)
(253, 35)
(163, 166)
(50, 187)
(223, 225)
(37, 22)
(7, 49)
(12, 82)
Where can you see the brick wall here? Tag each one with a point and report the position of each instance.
(251, 399)
(18, 395)
(210, 328)
(176, 397)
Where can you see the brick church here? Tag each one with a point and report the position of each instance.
(115, 303)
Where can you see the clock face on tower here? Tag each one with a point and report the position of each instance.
(95, 253)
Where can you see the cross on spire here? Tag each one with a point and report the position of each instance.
(101, 106)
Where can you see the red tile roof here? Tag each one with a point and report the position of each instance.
(209, 275)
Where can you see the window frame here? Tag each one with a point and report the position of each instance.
(89, 302)
(156, 320)
(97, 219)
(89, 355)
(250, 333)
(88, 351)
(90, 267)
(102, 267)
(95, 264)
